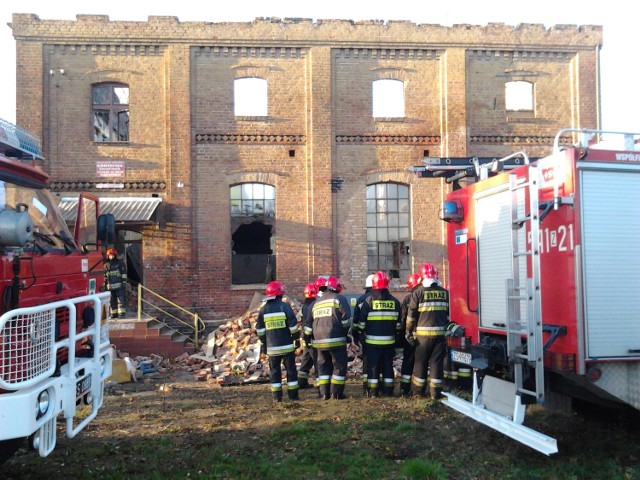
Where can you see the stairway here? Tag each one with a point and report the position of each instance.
(146, 336)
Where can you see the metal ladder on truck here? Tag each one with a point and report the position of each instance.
(498, 403)
(524, 331)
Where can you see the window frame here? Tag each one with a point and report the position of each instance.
(114, 112)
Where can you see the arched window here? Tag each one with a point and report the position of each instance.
(252, 233)
(388, 231)
(388, 98)
(518, 96)
(250, 97)
(110, 112)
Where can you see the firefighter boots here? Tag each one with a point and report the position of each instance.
(277, 396)
(436, 392)
(293, 395)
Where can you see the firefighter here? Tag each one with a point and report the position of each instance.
(328, 325)
(427, 321)
(115, 280)
(381, 316)
(356, 331)
(309, 356)
(277, 328)
(408, 351)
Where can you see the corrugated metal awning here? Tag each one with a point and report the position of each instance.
(124, 209)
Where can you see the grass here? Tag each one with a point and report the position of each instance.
(204, 431)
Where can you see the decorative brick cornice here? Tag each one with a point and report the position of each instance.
(250, 138)
(511, 55)
(389, 139)
(249, 52)
(85, 186)
(97, 49)
(388, 53)
(517, 139)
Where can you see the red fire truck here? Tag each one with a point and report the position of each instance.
(55, 353)
(544, 276)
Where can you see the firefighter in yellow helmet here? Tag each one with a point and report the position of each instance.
(115, 280)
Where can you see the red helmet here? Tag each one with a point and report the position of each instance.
(274, 289)
(320, 282)
(334, 283)
(380, 281)
(413, 280)
(428, 270)
(310, 291)
(112, 251)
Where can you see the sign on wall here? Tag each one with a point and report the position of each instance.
(110, 169)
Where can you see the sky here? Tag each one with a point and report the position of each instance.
(620, 62)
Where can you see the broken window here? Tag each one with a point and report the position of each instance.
(518, 96)
(110, 112)
(250, 97)
(388, 232)
(252, 233)
(388, 98)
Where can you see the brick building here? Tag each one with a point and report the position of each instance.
(310, 175)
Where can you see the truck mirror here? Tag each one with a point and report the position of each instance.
(106, 228)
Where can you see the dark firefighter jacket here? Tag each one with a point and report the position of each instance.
(428, 314)
(115, 274)
(328, 321)
(277, 326)
(380, 313)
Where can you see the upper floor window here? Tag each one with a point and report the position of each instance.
(388, 98)
(250, 97)
(518, 96)
(110, 112)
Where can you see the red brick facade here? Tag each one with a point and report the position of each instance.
(319, 128)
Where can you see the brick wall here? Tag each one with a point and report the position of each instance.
(319, 127)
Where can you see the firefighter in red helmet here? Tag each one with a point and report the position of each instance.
(426, 326)
(381, 315)
(328, 324)
(408, 351)
(277, 328)
(115, 280)
(309, 356)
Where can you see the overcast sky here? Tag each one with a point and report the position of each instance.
(620, 91)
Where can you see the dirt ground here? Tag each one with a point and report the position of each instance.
(172, 428)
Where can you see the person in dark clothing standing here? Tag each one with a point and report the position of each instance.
(356, 331)
(408, 351)
(309, 357)
(381, 314)
(426, 326)
(277, 328)
(328, 324)
(115, 280)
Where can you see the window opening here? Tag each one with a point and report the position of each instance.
(252, 233)
(388, 98)
(388, 231)
(110, 114)
(518, 96)
(250, 97)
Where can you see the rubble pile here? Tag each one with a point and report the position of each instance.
(230, 355)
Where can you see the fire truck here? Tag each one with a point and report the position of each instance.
(544, 273)
(55, 353)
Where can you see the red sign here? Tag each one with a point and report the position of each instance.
(110, 169)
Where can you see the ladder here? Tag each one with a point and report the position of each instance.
(524, 330)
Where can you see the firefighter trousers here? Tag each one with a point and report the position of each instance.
(308, 360)
(408, 359)
(275, 366)
(332, 372)
(118, 302)
(429, 357)
(380, 360)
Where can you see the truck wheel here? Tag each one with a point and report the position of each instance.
(8, 448)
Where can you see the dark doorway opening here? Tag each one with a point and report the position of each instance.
(253, 259)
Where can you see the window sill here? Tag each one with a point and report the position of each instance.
(250, 286)
(390, 119)
(117, 144)
(251, 118)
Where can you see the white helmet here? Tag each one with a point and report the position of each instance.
(369, 282)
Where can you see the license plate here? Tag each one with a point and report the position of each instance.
(83, 385)
(461, 357)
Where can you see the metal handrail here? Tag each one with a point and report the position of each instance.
(196, 318)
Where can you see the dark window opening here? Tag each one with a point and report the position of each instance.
(110, 112)
(253, 259)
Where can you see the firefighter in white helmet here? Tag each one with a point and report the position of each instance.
(426, 327)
